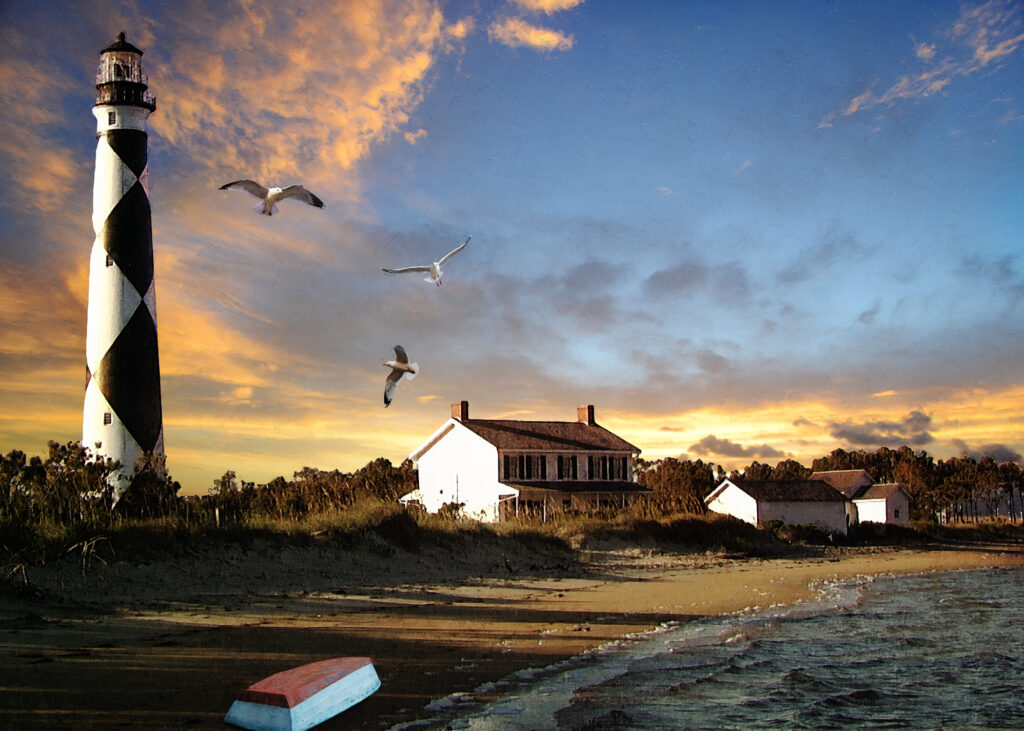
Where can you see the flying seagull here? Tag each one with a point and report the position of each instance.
(434, 270)
(270, 196)
(400, 365)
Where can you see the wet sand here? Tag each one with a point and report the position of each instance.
(169, 643)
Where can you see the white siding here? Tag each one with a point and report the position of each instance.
(733, 501)
(871, 511)
(830, 516)
(461, 468)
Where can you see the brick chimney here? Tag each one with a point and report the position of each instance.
(460, 411)
(585, 414)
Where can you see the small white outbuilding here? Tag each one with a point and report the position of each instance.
(885, 503)
(797, 502)
(871, 503)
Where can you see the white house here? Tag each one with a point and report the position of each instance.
(797, 502)
(497, 468)
(882, 503)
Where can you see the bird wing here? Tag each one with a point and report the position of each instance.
(391, 384)
(454, 251)
(400, 356)
(249, 186)
(297, 191)
(407, 269)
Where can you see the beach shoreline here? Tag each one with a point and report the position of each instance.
(170, 642)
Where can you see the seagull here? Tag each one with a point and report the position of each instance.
(270, 196)
(434, 269)
(398, 366)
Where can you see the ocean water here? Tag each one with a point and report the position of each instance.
(938, 650)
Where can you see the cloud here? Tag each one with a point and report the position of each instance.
(41, 171)
(998, 452)
(981, 36)
(413, 137)
(831, 250)
(515, 32)
(988, 24)
(547, 6)
(867, 317)
(313, 97)
(911, 430)
(855, 104)
(1001, 274)
(711, 362)
(694, 275)
(922, 50)
(712, 445)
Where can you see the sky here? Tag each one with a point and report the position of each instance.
(741, 230)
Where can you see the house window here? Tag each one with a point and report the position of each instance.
(896, 513)
(607, 468)
(111, 118)
(106, 418)
(568, 467)
(525, 467)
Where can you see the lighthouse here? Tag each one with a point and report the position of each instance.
(122, 417)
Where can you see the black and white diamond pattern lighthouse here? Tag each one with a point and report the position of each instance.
(122, 392)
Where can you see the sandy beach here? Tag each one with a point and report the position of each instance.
(169, 642)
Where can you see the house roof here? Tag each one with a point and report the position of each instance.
(776, 491)
(880, 492)
(510, 435)
(574, 486)
(848, 482)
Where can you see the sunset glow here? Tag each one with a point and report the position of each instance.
(743, 231)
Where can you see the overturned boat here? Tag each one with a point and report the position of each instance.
(300, 698)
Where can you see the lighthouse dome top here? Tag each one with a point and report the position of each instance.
(121, 45)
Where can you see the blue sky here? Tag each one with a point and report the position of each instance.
(742, 230)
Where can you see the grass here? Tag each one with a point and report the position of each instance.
(387, 528)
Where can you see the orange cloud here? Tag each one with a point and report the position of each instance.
(413, 137)
(311, 98)
(547, 6)
(44, 172)
(922, 50)
(801, 429)
(985, 33)
(514, 32)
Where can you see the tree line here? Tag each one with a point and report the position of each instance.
(72, 488)
(72, 491)
(955, 489)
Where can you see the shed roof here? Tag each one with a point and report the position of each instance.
(848, 482)
(509, 435)
(880, 492)
(775, 491)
